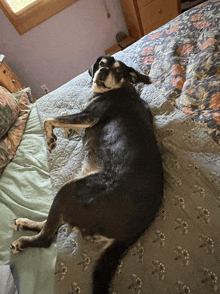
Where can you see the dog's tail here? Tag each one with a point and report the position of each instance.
(107, 264)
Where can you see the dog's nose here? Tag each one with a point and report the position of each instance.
(103, 72)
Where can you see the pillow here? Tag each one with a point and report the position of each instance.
(18, 95)
(11, 140)
(9, 110)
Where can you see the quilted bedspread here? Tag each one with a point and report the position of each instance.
(180, 253)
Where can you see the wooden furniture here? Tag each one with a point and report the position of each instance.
(8, 79)
(144, 16)
(120, 46)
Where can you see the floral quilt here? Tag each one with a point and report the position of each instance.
(183, 59)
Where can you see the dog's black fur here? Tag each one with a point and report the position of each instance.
(123, 190)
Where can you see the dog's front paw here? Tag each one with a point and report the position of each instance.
(51, 138)
(16, 246)
(51, 142)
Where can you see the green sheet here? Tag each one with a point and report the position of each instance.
(25, 191)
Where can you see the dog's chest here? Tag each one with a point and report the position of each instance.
(90, 101)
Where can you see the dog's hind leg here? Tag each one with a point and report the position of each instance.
(64, 209)
(24, 224)
(47, 229)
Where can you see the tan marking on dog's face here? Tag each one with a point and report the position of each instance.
(133, 76)
(116, 64)
(104, 60)
(111, 82)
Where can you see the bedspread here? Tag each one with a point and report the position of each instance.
(180, 251)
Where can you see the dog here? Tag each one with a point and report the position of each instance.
(120, 189)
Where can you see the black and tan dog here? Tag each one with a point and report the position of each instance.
(121, 187)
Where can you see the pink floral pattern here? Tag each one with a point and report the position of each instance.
(11, 140)
(182, 59)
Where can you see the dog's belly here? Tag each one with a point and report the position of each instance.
(90, 163)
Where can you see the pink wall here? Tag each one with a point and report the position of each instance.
(63, 46)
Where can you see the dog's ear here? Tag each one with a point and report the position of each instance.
(94, 67)
(92, 70)
(135, 77)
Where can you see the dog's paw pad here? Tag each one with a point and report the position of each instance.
(51, 147)
(52, 140)
(51, 143)
(16, 247)
(19, 224)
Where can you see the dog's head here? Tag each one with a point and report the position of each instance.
(108, 74)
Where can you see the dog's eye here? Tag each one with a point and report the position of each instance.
(118, 70)
(102, 63)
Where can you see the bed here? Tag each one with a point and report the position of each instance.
(180, 253)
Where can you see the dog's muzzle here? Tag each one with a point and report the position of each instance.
(102, 74)
(104, 80)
